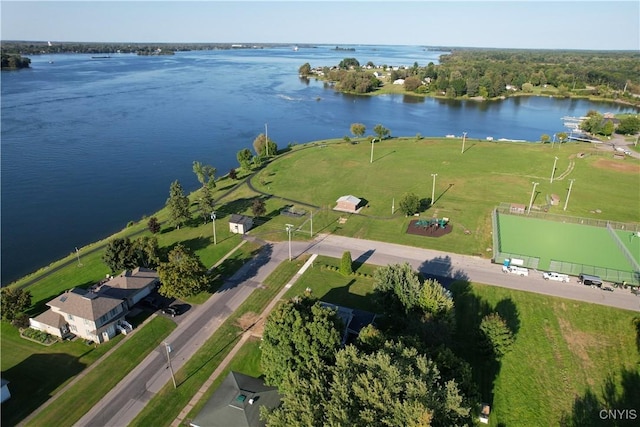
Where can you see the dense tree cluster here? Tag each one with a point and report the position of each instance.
(14, 62)
(389, 376)
(124, 254)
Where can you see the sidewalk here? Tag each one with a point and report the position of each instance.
(245, 336)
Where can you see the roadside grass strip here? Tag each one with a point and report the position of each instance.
(69, 407)
(166, 405)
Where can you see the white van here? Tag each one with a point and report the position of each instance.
(556, 276)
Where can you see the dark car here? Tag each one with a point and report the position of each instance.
(170, 310)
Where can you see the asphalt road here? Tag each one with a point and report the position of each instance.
(123, 403)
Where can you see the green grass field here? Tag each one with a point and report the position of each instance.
(468, 186)
(551, 240)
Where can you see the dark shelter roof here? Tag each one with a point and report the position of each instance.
(237, 402)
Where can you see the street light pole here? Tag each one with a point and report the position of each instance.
(553, 170)
(464, 137)
(532, 194)
(566, 202)
(433, 188)
(213, 218)
(168, 349)
(289, 229)
(372, 142)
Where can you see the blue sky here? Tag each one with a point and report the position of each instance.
(597, 25)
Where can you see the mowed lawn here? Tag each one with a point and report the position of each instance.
(467, 186)
(570, 359)
(550, 240)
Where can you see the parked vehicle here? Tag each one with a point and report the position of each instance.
(589, 280)
(514, 266)
(170, 311)
(556, 276)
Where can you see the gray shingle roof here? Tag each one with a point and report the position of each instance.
(237, 402)
(86, 305)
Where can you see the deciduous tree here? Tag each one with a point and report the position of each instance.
(244, 158)
(409, 204)
(305, 70)
(381, 131)
(147, 251)
(183, 274)
(178, 205)
(258, 207)
(14, 301)
(299, 334)
(358, 129)
(261, 143)
(397, 288)
(153, 225)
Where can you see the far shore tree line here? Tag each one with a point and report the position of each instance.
(493, 73)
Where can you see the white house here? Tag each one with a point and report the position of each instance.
(83, 313)
(96, 314)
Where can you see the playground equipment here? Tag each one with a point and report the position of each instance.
(433, 222)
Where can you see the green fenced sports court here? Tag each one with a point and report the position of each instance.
(568, 246)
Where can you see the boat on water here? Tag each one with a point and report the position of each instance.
(101, 57)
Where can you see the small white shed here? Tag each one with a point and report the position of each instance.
(240, 224)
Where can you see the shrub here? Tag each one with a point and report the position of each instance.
(346, 264)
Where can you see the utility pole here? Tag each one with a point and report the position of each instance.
(266, 140)
(464, 137)
(311, 228)
(533, 192)
(553, 170)
(393, 205)
(168, 349)
(213, 218)
(289, 228)
(566, 202)
(433, 188)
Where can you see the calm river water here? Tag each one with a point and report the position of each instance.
(90, 144)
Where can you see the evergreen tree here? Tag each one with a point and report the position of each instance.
(346, 264)
(178, 205)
